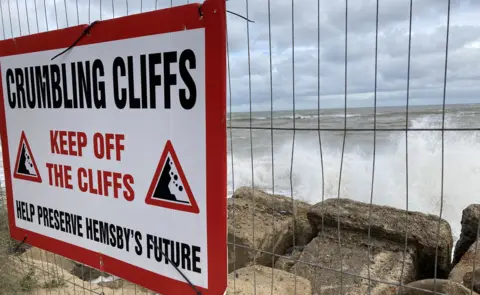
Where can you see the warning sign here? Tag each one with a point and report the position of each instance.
(169, 187)
(25, 166)
(114, 151)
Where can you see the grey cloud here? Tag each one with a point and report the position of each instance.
(427, 52)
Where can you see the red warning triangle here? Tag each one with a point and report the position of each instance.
(25, 165)
(170, 188)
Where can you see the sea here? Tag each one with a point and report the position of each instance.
(266, 152)
(306, 163)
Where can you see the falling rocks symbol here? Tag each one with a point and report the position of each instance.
(166, 178)
(25, 165)
(169, 187)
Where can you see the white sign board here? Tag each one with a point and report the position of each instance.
(110, 149)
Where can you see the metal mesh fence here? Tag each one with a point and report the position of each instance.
(335, 109)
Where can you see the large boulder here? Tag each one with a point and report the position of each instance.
(468, 235)
(260, 224)
(338, 261)
(388, 223)
(323, 261)
(267, 281)
(463, 271)
(440, 286)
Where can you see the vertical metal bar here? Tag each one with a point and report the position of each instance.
(78, 15)
(46, 18)
(122, 288)
(63, 275)
(443, 144)
(343, 147)
(90, 277)
(46, 261)
(251, 152)
(373, 153)
(28, 21)
(233, 170)
(36, 15)
(271, 129)
(3, 24)
(83, 281)
(10, 17)
(293, 139)
(66, 12)
(56, 15)
(18, 15)
(24, 267)
(319, 139)
(318, 111)
(126, 3)
(33, 263)
(407, 120)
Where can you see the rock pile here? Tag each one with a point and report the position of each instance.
(397, 252)
(333, 246)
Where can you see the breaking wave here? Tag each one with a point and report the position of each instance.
(461, 171)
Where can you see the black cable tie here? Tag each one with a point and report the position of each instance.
(200, 12)
(179, 271)
(241, 16)
(85, 32)
(21, 243)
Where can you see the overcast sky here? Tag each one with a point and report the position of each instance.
(429, 25)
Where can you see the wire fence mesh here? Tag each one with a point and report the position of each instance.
(335, 109)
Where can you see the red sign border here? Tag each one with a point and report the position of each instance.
(211, 16)
(38, 177)
(192, 207)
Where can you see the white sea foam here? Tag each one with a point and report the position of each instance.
(461, 185)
